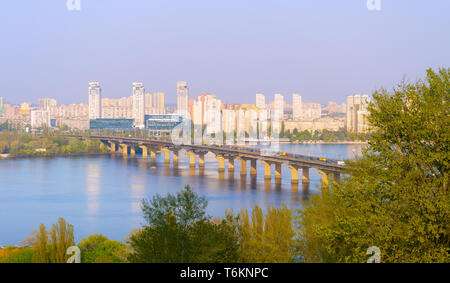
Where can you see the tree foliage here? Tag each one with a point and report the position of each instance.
(179, 231)
(99, 249)
(266, 239)
(397, 194)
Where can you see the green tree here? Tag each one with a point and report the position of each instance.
(397, 195)
(61, 238)
(267, 239)
(99, 249)
(40, 245)
(179, 230)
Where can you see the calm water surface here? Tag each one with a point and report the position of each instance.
(102, 194)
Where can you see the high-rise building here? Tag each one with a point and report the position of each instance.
(182, 98)
(40, 118)
(357, 113)
(296, 106)
(148, 104)
(260, 101)
(279, 104)
(46, 103)
(158, 103)
(139, 104)
(95, 100)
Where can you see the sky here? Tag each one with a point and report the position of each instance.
(322, 49)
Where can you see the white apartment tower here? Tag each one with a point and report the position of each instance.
(182, 98)
(279, 104)
(138, 104)
(296, 107)
(95, 101)
(260, 101)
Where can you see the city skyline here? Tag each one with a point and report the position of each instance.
(338, 49)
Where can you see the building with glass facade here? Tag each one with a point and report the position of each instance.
(111, 124)
(162, 124)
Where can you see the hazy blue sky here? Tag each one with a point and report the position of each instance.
(322, 49)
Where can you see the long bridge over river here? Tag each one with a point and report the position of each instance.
(225, 153)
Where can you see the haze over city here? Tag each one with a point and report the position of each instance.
(323, 50)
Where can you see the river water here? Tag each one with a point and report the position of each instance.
(102, 194)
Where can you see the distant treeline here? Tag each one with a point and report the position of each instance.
(48, 143)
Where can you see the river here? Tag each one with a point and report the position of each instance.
(102, 194)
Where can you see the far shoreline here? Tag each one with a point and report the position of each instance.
(325, 142)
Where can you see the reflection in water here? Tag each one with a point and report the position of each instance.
(102, 194)
(93, 188)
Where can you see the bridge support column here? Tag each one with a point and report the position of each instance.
(112, 147)
(221, 163)
(152, 155)
(253, 167)
(267, 170)
(305, 173)
(201, 160)
(124, 150)
(294, 178)
(132, 151)
(175, 157)
(230, 165)
(243, 167)
(191, 159)
(325, 180)
(166, 152)
(144, 151)
(278, 172)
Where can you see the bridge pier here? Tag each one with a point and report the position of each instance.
(144, 151)
(201, 160)
(267, 170)
(231, 165)
(253, 167)
(175, 154)
(243, 167)
(112, 147)
(278, 174)
(305, 175)
(325, 179)
(166, 152)
(124, 148)
(294, 175)
(221, 163)
(153, 155)
(132, 151)
(191, 159)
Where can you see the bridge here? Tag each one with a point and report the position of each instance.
(225, 153)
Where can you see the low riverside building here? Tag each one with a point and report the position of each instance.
(162, 124)
(111, 124)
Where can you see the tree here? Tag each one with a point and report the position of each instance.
(179, 230)
(268, 239)
(40, 245)
(61, 238)
(99, 249)
(396, 197)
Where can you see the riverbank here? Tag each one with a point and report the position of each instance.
(325, 142)
(23, 156)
